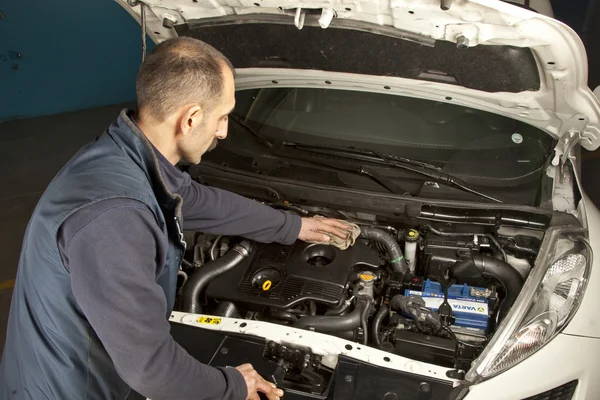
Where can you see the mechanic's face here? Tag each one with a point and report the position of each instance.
(212, 125)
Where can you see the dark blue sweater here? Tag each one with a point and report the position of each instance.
(110, 249)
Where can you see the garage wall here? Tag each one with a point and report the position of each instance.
(31, 152)
(65, 55)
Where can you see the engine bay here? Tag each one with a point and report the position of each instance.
(432, 293)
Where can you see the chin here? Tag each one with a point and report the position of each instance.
(192, 160)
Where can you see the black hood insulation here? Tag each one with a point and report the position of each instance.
(253, 45)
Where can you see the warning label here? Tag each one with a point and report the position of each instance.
(209, 320)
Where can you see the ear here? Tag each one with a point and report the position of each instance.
(190, 117)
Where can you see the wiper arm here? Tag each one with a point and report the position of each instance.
(239, 121)
(362, 170)
(367, 155)
(417, 167)
(374, 175)
(383, 181)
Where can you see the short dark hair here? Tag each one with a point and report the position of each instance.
(180, 71)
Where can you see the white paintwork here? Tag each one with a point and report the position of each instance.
(563, 104)
(586, 321)
(563, 359)
(330, 347)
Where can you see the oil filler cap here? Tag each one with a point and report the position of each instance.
(266, 279)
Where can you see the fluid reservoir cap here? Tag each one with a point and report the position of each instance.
(367, 276)
(411, 235)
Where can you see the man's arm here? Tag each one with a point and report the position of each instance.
(113, 268)
(213, 210)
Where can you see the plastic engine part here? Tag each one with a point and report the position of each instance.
(469, 303)
(280, 277)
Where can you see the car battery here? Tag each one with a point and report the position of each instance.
(469, 303)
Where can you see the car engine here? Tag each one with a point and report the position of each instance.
(422, 292)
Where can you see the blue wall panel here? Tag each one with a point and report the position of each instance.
(73, 55)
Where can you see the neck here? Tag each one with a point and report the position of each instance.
(155, 133)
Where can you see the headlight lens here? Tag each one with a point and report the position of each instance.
(547, 301)
(523, 343)
(562, 284)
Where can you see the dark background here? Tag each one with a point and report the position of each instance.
(67, 67)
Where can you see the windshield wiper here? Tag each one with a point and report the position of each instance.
(238, 120)
(373, 175)
(366, 155)
(418, 167)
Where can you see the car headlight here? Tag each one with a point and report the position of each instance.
(546, 303)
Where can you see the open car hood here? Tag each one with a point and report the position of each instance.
(546, 87)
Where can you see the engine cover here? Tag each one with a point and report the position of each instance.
(280, 276)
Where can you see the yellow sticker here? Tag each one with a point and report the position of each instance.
(209, 320)
(267, 285)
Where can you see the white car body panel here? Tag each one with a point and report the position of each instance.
(330, 347)
(564, 106)
(586, 322)
(562, 360)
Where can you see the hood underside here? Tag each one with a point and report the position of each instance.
(484, 54)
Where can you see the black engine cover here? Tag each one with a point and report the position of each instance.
(281, 276)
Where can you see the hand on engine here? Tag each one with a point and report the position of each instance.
(314, 229)
(255, 383)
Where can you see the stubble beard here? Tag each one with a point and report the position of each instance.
(213, 145)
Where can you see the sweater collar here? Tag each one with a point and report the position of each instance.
(132, 141)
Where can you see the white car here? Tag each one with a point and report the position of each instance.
(450, 133)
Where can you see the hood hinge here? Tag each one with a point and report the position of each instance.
(564, 147)
(562, 154)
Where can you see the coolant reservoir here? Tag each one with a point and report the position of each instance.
(411, 237)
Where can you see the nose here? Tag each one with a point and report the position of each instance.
(221, 131)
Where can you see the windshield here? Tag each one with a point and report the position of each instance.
(482, 148)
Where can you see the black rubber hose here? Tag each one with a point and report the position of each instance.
(326, 323)
(338, 310)
(513, 246)
(376, 325)
(391, 246)
(489, 267)
(364, 323)
(227, 309)
(282, 315)
(191, 295)
(491, 238)
(350, 335)
(342, 306)
(530, 251)
(416, 307)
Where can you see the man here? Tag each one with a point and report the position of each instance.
(97, 273)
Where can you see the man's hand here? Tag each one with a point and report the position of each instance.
(313, 229)
(255, 383)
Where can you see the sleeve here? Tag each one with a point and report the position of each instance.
(212, 210)
(113, 269)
